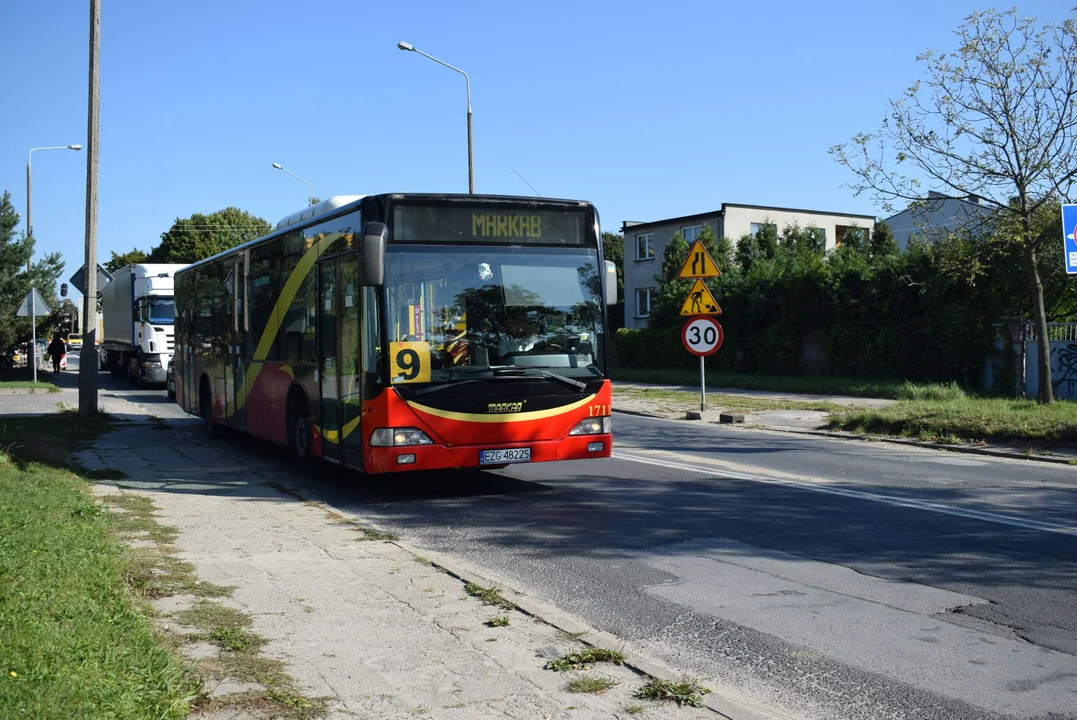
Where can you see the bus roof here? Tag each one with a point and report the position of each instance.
(340, 204)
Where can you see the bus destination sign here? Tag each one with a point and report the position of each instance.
(515, 226)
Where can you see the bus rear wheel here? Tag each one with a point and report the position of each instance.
(205, 408)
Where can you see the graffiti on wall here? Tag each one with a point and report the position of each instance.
(1064, 370)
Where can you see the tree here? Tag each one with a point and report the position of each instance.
(882, 241)
(762, 245)
(15, 282)
(68, 316)
(995, 118)
(613, 249)
(132, 256)
(201, 236)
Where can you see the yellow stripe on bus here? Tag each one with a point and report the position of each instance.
(284, 301)
(500, 417)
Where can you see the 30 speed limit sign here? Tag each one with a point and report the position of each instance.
(702, 336)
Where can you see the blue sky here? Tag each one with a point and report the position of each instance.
(647, 109)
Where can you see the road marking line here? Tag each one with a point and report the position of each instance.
(862, 495)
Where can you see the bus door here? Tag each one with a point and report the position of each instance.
(339, 367)
(235, 286)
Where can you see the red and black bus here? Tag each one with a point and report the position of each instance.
(405, 332)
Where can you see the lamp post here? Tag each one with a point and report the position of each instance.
(310, 200)
(32, 356)
(470, 152)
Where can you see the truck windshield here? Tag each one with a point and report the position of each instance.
(459, 310)
(162, 311)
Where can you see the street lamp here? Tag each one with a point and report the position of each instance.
(32, 357)
(470, 153)
(310, 200)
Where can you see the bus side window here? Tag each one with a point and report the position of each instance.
(372, 355)
(262, 298)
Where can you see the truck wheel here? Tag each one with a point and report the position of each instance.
(136, 372)
(205, 408)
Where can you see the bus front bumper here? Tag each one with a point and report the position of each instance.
(404, 458)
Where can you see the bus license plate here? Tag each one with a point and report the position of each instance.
(499, 457)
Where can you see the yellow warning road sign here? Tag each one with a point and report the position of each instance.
(699, 264)
(700, 301)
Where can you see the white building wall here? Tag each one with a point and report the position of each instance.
(739, 219)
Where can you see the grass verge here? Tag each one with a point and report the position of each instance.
(489, 596)
(74, 642)
(590, 684)
(683, 692)
(679, 400)
(48, 387)
(893, 389)
(968, 419)
(585, 659)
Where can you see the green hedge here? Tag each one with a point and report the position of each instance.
(911, 315)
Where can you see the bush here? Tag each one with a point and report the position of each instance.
(924, 314)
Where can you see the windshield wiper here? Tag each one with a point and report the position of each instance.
(456, 382)
(544, 373)
(442, 386)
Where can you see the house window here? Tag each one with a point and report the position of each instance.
(643, 302)
(846, 233)
(818, 235)
(754, 228)
(691, 233)
(645, 246)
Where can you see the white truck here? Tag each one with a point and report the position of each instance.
(140, 314)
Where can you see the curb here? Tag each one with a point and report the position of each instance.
(557, 618)
(968, 449)
(740, 708)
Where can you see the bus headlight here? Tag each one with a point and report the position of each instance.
(388, 437)
(593, 426)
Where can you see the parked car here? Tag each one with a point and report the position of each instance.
(170, 381)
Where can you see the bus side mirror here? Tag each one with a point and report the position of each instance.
(611, 282)
(372, 255)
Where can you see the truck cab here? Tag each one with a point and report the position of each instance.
(139, 322)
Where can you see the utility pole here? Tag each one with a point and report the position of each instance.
(88, 370)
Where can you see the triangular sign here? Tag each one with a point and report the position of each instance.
(700, 301)
(40, 309)
(699, 264)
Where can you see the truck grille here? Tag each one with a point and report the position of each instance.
(169, 338)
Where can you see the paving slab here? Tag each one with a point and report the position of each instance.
(365, 624)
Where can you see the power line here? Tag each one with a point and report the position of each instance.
(525, 180)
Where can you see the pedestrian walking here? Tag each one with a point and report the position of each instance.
(57, 349)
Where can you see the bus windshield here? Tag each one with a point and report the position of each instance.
(463, 310)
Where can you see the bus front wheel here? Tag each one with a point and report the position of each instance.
(301, 436)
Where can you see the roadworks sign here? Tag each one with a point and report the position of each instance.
(700, 301)
(699, 264)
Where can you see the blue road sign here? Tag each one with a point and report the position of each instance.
(1069, 226)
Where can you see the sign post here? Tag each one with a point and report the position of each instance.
(1069, 225)
(32, 306)
(702, 335)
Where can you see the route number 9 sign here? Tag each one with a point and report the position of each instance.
(702, 336)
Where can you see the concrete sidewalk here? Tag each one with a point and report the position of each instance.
(369, 627)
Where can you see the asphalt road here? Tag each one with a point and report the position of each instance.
(817, 578)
